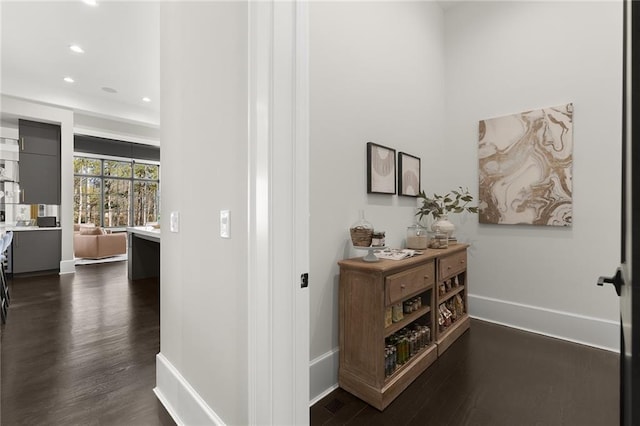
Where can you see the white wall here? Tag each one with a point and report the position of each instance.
(376, 74)
(508, 57)
(378, 71)
(204, 169)
(119, 129)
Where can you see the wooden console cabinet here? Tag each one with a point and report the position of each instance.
(452, 292)
(368, 293)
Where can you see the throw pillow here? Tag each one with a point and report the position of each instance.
(90, 231)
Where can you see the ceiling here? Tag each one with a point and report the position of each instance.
(121, 41)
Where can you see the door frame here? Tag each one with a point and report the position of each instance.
(278, 210)
(628, 289)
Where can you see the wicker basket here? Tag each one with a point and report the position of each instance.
(361, 236)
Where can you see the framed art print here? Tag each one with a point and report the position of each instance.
(381, 169)
(408, 175)
(525, 167)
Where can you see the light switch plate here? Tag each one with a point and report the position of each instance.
(174, 225)
(225, 224)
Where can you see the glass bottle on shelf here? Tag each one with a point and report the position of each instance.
(440, 239)
(417, 237)
(361, 232)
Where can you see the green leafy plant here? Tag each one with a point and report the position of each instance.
(456, 201)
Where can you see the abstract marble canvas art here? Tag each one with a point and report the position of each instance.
(525, 167)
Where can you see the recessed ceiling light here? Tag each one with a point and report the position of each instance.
(91, 2)
(76, 48)
(69, 80)
(145, 99)
(109, 90)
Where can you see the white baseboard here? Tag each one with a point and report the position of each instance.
(67, 266)
(595, 332)
(589, 331)
(178, 397)
(323, 375)
(323, 394)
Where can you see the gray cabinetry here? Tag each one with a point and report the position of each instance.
(34, 251)
(39, 163)
(39, 179)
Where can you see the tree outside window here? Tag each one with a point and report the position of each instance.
(115, 193)
(87, 166)
(145, 193)
(145, 202)
(116, 202)
(86, 199)
(120, 169)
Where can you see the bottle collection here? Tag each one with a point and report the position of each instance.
(396, 312)
(404, 344)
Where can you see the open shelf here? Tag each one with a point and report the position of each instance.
(448, 295)
(408, 319)
(414, 359)
(451, 333)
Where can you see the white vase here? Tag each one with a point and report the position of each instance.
(443, 225)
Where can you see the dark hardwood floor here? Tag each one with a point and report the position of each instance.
(80, 349)
(495, 375)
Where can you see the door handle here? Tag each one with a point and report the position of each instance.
(616, 280)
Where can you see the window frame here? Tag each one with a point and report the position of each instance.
(132, 180)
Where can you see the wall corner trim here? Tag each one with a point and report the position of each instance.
(67, 267)
(323, 374)
(183, 403)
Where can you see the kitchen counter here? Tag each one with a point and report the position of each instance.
(143, 252)
(145, 231)
(14, 228)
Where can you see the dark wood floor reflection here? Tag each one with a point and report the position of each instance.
(80, 349)
(496, 376)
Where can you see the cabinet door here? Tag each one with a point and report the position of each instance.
(39, 162)
(39, 179)
(35, 251)
(39, 138)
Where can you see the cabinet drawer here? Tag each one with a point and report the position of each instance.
(401, 285)
(452, 265)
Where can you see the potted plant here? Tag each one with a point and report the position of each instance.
(439, 207)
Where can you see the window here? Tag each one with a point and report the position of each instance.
(115, 193)
(116, 202)
(145, 202)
